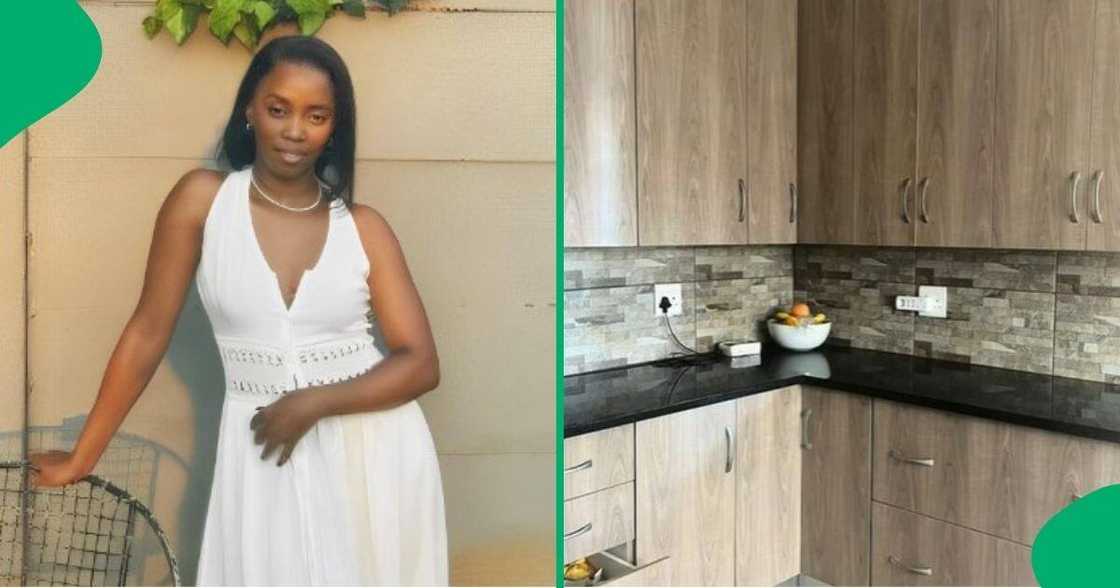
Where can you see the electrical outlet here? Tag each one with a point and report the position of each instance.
(932, 301)
(670, 291)
(936, 301)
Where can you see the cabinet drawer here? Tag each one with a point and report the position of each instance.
(1003, 479)
(598, 460)
(598, 521)
(618, 572)
(908, 549)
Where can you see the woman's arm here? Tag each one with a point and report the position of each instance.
(172, 259)
(410, 370)
(412, 367)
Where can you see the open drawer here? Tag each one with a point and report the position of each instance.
(615, 571)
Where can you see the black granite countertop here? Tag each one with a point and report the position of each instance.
(608, 398)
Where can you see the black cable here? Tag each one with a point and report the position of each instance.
(665, 315)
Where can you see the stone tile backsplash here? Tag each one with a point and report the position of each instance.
(1037, 311)
(609, 315)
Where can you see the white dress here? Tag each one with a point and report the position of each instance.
(360, 501)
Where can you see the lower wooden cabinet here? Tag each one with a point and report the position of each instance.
(685, 500)
(598, 521)
(768, 502)
(909, 549)
(998, 478)
(835, 486)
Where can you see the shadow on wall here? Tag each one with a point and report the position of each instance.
(135, 463)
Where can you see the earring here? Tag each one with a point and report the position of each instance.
(248, 126)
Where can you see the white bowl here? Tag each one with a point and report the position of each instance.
(799, 338)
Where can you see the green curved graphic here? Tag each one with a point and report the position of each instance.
(51, 50)
(1080, 546)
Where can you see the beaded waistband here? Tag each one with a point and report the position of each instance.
(255, 368)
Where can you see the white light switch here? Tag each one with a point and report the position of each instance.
(935, 301)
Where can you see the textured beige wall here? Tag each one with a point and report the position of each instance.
(12, 335)
(456, 148)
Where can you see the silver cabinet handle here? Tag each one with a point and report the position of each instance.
(792, 202)
(580, 531)
(578, 467)
(730, 449)
(742, 199)
(1097, 179)
(1074, 178)
(927, 462)
(903, 193)
(805, 416)
(922, 186)
(920, 570)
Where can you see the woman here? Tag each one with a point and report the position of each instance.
(288, 270)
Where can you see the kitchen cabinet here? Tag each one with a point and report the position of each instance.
(685, 494)
(953, 186)
(1044, 55)
(1001, 479)
(692, 121)
(598, 521)
(893, 153)
(598, 460)
(913, 550)
(716, 111)
(1103, 199)
(768, 503)
(600, 182)
(827, 208)
(772, 121)
(884, 100)
(836, 487)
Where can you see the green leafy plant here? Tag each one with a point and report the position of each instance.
(247, 19)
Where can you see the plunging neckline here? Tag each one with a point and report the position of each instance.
(278, 290)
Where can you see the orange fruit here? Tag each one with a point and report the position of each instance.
(799, 310)
(791, 321)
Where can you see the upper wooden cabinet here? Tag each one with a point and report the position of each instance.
(1104, 171)
(827, 209)
(895, 118)
(772, 120)
(692, 122)
(956, 123)
(885, 80)
(1043, 100)
(600, 198)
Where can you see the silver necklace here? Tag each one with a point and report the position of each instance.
(253, 179)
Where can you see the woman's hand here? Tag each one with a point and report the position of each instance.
(282, 423)
(53, 468)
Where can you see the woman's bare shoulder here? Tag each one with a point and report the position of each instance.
(194, 193)
(372, 226)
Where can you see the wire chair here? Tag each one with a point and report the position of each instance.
(81, 534)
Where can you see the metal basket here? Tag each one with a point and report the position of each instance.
(81, 534)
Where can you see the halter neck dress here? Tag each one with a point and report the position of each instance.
(360, 501)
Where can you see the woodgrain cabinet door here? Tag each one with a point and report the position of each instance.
(827, 208)
(1104, 173)
(600, 196)
(768, 507)
(998, 478)
(692, 122)
(913, 550)
(685, 499)
(836, 487)
(885, 112)
(1044, 56)
(772, 119)
(956, 123)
